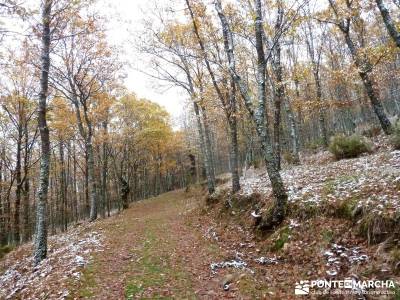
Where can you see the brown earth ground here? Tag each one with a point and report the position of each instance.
(162, 248)
(152, 252)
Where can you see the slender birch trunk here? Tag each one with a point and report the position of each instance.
(40, 247)
(91, 179)
(365, 67)
(206, 151)
(321, 116)
(294, 133)
(277, 213)
(229, 106)
(210, 180)
(389, 23)
(27, 232)
(18, 181)
(234, 155)
(315, 57)
(207, 141)
(63, 188)
(104, 171)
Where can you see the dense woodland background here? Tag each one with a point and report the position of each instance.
(265, 82)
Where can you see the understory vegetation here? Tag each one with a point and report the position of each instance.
(342, 146)
(395, 139)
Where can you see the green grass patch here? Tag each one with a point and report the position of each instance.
(346, 208)
(281, 239)
(331, 184)
(87, 282)
(251, 289)
(329, 187)
(327, 235)
(5, 249)
(396, 290)
(154, 269)
(132, 289)
(151, 268)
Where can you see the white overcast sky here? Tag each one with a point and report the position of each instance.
(125, 18)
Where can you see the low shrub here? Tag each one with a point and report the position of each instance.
(376, 228)
(282, 238)
(368, 130)
(347, 209)
(216, 197)
(4, 250)
(395, 137)
(342, 146)
(290, 158)
(315, 145)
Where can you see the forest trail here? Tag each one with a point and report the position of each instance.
(151, 251)
(179, 246)
(283, 117)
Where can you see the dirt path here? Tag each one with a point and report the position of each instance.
(162, 248)
(152, 251)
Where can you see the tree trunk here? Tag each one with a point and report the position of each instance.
(234, 155)
(124, 193)
(321, 116)
(26, 193)
(18, 180)
(294, 133)
(229, 104)
(104, 171)
(63, 189)
(2, 206)
(279, 90)
(74, 183)
(91, 179)
(135, 182)
(234, 147)
(389, 23)
(364, 66)
(365, 69)
(86, 186)
(207, 140)
(277, 213)
(87, 135)
(40, 251)
(6, 203)
(206, 156)
(315, 56)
